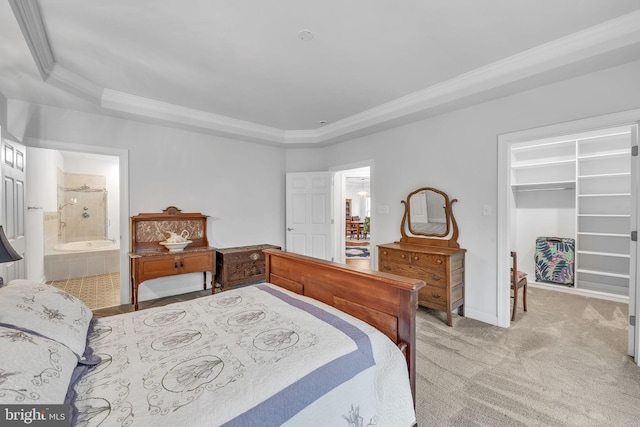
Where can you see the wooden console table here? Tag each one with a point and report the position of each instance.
(150, 260)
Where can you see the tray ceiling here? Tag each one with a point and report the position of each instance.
(242, 68)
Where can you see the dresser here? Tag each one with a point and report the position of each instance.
(441, 268)
(428, 250)
(148, 259)
(241, 264)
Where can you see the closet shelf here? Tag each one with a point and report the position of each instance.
(604, 175)
(536, 164)
(535, 186)
(603, 273)
(606, 215)
(609, 254)
(588, 233)
(613, 153)
(605, 195)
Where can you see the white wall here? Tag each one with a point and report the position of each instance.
(541, 213)
(41, 194)
(457, 153)
(240, 185)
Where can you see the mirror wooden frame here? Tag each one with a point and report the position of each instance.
(432, 240)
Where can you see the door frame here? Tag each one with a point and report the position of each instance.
(505, 141)
(338, 191)
(123, 170)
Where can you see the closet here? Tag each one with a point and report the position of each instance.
(577, 187)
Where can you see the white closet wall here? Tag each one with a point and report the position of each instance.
(576, 187)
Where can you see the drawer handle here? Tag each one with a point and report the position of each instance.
(434, 277)
(435, 294)
(403, 256)
(175, 264)
(385, 252)
(387, 267)
(181, 263)
(254, 256)
(438, 261)
(416, 257)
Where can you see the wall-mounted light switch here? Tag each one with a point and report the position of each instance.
(383, 209)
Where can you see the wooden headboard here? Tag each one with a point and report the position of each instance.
(385, 301)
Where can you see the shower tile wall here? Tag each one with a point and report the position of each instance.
(74, 226)
(50, 231)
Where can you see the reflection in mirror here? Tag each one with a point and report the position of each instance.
(427, 214)
(428, 219)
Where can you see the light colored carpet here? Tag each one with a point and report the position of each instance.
(562, 363)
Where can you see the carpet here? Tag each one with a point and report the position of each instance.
(360, 252)
(562, 363)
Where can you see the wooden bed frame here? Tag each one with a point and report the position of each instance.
(385, 301)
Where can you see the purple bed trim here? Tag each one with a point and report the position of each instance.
(288, 402)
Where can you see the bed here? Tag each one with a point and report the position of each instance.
(319, 344)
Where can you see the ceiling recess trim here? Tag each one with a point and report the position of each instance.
(607, 37)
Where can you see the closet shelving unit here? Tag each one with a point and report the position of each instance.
(549, 166)
(604, 213)
(597, 167)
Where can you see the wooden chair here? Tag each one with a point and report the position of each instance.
(518, 280)
(350, 228)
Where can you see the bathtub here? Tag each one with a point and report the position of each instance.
(86, 246)
(84, 258)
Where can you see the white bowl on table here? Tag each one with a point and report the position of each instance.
(175, 246)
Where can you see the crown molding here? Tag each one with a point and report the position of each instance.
(73, 83)
(608, 36)
(31, 24)
(471, 87)
(190, 117)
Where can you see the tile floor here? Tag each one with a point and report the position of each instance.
(95, 291)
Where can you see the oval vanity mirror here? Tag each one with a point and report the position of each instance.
(428, 218)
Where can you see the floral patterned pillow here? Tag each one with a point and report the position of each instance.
(36, 369)
(47, 311)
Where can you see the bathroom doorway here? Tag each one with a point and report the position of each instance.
(79, 197)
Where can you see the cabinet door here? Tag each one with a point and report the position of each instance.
(158, 266)
(196, 262)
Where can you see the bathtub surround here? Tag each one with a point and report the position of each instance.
(78, 259)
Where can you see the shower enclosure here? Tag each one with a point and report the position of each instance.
(76, 235)
(82, 214)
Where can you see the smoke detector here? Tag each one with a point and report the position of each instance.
(305, 35)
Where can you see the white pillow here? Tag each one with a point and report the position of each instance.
(47, 311)
(33, 369)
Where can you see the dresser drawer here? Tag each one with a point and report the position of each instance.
(430, 261)
(433, 297)
(393, 255)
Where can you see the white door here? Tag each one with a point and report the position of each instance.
(308, 214)
(13, 203)
(633, 253)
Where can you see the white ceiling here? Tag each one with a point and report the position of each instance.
(238, 67)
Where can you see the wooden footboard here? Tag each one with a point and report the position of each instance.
(385, 301)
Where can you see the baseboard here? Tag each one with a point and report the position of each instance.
(581, 292)
(481, 316)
